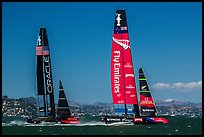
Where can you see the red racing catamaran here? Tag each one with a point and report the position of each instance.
(124, 93)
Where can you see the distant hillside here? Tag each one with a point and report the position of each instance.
(171, 102)
(31, 100)
(27, 106)
(164, 103)
(167, 102)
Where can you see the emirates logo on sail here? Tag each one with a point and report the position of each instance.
(122, 42)
(116, 69)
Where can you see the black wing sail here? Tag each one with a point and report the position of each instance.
(40, 76)
(45, 93)
(48, 76)
(147, 104)
(63, 110)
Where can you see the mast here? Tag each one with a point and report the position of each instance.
(122, 72)
(63, 110)
(146, 101)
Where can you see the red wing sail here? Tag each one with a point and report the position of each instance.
(117, 61)
(122, 72)
(146, 101)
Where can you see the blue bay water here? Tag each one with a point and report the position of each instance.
(91, 125)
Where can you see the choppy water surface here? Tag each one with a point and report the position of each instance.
(178, 125)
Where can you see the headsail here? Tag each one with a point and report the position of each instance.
(122, 72)
(147, 104)
(63, 110)
(44, 77)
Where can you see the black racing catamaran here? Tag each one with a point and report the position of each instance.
(63, 110)
(45, 91)
(148, 112)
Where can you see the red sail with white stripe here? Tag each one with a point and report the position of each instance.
(122, 72)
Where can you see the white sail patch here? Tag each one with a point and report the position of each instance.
(143, 87)
(118, 19)
(122, 42)
(39, 40)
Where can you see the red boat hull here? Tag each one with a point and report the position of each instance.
(150, 120)
(70, 120)
(160, 120)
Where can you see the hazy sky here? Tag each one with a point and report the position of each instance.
(165, 39)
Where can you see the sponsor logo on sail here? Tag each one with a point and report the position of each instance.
(132, 96)
(48, 74)
(122, 42)
(118, 95)
(116, 69)
(127, 92)
(130, 87)
(128, 65)
(123, 28)
(39, 50)
(147, 110)
(45, 50)
(143, 87)
(129, 75)
(121, 101)
(146, 101)
(118, 19)
(130, 110)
